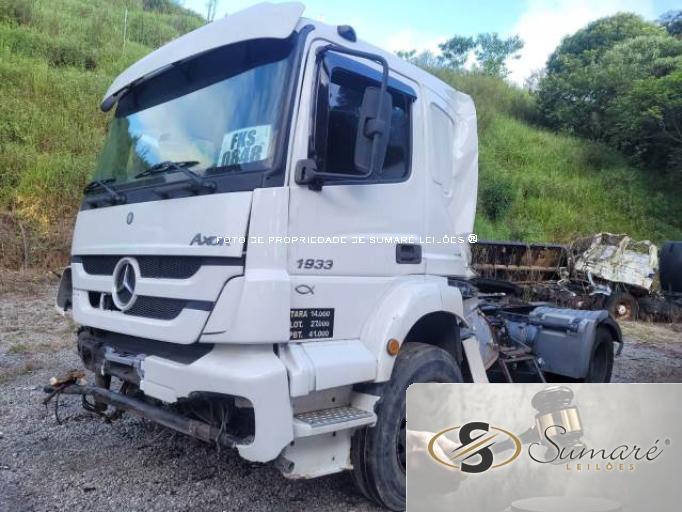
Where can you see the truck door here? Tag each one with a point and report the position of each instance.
(359, 234)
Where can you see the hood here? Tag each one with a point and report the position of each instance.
(189, 226)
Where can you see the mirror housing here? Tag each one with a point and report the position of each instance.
(374, 127)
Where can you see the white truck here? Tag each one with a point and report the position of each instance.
(274, 247)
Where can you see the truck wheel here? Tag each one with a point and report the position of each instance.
(601, 360)
(378, 453)
(622, 306)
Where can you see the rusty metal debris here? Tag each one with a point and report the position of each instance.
(604, 271)
(517, 261)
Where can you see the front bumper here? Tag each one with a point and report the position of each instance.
(251, 372)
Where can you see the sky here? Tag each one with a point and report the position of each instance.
(423, 24)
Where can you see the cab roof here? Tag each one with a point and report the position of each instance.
(266, 20)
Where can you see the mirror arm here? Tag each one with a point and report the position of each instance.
(306, 173)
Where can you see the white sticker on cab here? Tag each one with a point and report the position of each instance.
(245, 145)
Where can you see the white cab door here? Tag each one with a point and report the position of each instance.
(359, 234)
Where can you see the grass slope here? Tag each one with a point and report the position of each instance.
(57, 58)
(536, 185)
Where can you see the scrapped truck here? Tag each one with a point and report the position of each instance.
(618, 268)
(274, 246)
(603, 271)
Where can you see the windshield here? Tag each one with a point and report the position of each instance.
(222, 112)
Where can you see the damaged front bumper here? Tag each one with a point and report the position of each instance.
(122, 402)
(251, 374)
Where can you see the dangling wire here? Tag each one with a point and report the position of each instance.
(54, 395)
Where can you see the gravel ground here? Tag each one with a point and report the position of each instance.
(86, 464)
(652, 353)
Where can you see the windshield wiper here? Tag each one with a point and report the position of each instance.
(114, 196)
(168, 166)
(195, 182)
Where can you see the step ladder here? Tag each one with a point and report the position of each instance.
(511, 356)
(323, 421)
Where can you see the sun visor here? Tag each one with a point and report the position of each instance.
(266, 20)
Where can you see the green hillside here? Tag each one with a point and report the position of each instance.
(537, 185)
(57, 58)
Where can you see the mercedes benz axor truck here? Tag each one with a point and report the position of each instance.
(275, 245)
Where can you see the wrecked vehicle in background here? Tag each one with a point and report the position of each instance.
(617, 267)
(604, 271)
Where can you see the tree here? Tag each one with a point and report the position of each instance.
(456, 50)
(163, 6)
(672, 22)
(492, 52)
(407, 55)
(211, 7)
(574, 94)
(614, 81)
(426, 59)
(645, 114)
(589, 44)
(532, 82)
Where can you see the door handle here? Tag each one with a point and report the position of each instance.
(408, 254)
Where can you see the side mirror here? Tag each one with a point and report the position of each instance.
(374, 127)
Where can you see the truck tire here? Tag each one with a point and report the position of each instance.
(622, 306)
(601, 360)
(378, 453)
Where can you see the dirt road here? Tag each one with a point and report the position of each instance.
(132, 465)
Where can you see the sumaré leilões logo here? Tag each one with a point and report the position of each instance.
(485, 447)
(475, 454)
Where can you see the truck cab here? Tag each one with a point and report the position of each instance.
(274, 246)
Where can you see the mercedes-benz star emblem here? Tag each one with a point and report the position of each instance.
(125, 277)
